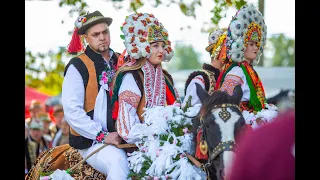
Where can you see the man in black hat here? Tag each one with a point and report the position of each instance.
(86, 99)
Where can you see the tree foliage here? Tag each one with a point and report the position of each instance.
(185, 57)
(44, 71)
(187, 7)
(284, 50)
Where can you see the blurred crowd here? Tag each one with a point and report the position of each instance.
(43, 130)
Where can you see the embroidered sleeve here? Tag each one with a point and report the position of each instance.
(129, 98)
(230, 82)
(192, 91)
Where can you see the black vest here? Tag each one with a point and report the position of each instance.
(80, 142)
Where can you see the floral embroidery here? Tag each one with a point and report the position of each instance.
(127, 97)
(124, 118)
(230, 82)
(101, 135)
(154, 84)
(106, 77)
(107, 74)
(130, 98)
(119, 127)
(200, 79)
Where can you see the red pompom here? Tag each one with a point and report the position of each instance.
(75, 44)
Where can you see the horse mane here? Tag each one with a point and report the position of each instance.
(217, 97)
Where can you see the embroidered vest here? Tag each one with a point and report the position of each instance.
(209, 74)
(91, 91)
(139, 79)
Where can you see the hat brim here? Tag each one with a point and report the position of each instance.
(209, 48)
(82, 30)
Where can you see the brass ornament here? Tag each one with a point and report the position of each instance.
(224, 114)
(203, 147)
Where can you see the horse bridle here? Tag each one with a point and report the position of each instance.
(222, 146)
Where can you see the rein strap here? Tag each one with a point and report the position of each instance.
(223, 146)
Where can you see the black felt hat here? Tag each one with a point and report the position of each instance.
(90, 19)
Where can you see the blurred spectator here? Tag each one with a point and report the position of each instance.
(35, 108)
(36, 135)
(46, 122)
(62, 136)
(268, 152)
(30, 150)
(58, 114)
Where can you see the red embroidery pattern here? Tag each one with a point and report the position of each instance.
(160, 91)
(200, 79)
(119, 126)
(127, 97)
(124, 118)
(230, 82)
(154, 85)
(130, 98)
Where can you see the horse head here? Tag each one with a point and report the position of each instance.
(221, 121)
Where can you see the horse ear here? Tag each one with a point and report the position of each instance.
(202, 94)
(237, 94)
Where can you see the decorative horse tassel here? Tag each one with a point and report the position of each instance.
(202, 147)
(75, 44)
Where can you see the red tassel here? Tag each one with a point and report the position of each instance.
(115, 110)
(75, 44)
(51, 114)
(199, 155)
(121, 59)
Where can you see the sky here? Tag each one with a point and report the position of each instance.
(44, 30)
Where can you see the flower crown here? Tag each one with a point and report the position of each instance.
(220, 37)
(248, 24)
(214, 36)
(139, 30)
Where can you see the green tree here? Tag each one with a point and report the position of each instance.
(187, 7)
(185, 57)
(283, 49)
(47, 74)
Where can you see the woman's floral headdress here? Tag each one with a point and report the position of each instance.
(248, 24)
(139, 30)
(217, 41)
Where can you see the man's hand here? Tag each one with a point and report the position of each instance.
(113, 138)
